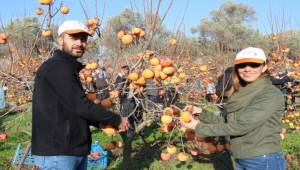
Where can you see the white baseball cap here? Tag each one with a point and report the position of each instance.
(250, 55)
(72, 27)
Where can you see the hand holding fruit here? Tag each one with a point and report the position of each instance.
(123, 126)
(191, 124)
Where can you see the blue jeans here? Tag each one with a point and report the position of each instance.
(272, 161)
(61, 162)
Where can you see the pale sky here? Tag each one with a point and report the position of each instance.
(284, 13)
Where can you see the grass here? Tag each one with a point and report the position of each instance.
(147, 156)
(18, 126)
(291, 146)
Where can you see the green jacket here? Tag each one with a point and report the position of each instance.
(254, 120)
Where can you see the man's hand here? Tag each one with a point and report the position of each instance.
(123, 126)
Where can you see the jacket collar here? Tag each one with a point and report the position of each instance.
(63, 55)
(245, 95)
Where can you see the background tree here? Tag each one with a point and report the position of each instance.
(227, 29)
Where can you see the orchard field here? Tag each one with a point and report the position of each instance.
(179, 67)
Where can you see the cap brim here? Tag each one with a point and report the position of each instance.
(249, 60)
(76, 31)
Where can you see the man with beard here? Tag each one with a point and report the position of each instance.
(61, 113)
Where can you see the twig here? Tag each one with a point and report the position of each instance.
(12, 109)
(84, 10)
(141, 126)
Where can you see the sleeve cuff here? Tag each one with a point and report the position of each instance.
(198, 130)
(204, 116)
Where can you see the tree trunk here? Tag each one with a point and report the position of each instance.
(127, 149)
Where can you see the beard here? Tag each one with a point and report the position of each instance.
(75, 51)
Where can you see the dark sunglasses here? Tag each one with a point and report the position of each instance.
(252, 65)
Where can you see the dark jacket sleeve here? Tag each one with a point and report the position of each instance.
(280, 81)
(119, 84)
(65, 83)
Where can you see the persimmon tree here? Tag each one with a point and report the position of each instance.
(170, 61)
